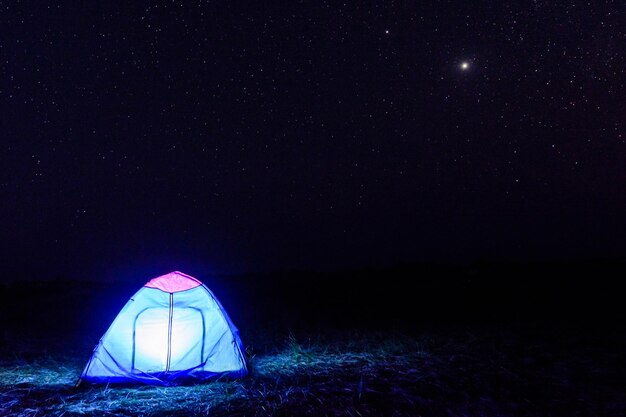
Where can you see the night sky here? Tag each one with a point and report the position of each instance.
(231, 137)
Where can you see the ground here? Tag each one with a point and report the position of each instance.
(457, 367)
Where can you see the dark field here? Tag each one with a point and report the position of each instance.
(425, 340)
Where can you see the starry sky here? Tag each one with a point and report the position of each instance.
(231, 137)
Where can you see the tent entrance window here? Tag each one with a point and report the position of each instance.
(168, 339)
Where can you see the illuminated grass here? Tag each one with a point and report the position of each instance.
(356, 375)
(296, 377)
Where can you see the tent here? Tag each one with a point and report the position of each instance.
(172, 330)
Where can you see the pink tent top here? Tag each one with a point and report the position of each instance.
(173, 282)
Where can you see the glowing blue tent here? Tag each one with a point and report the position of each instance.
(172, 330)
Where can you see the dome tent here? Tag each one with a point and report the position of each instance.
(172, 330)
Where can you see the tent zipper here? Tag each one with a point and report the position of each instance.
(169, 334)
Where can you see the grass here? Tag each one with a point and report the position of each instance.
(540, 344)
(302, 376)
(465, 374)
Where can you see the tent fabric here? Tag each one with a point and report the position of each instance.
(173, 282)
(172, 330)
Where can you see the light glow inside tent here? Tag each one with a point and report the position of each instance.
(151, 333)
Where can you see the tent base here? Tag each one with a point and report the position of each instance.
(166, 379)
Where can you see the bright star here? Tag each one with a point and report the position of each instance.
(464, 65)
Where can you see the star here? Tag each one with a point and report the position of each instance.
(387, 32)
(464, 65)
